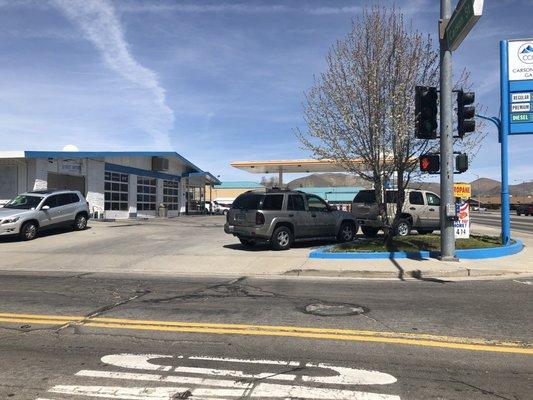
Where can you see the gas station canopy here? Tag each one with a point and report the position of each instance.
(289, 166)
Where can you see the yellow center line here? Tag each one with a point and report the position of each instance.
(427, 340)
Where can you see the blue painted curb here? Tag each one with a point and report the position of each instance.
(467, 254)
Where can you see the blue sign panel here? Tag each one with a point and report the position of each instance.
(519, 87)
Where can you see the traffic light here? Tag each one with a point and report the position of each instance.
(426, 112)
(465, 113)
(430, 163)
(461, 162)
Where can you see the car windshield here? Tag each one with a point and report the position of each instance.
(24, 202)
(248, 202)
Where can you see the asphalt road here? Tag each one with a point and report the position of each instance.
(119, 338)
(518, 223)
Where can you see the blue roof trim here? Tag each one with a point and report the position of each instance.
(103, 154)
(141, 172)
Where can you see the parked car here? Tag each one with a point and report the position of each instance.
(222, 205)
(281, 217)
(526, 209)
(30, 212)
(420, 211)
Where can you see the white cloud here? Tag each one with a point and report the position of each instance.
(100, 25)
(333, 10)
(239, 8)
(205, 8)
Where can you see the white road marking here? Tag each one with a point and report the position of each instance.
(350, 376)
(185, 380)
(247, 385)
(236, 374)
(241, 360)
(136, 361)
(262, 390)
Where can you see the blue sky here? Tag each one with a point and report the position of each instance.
(217, 81)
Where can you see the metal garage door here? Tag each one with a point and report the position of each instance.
(63, 181)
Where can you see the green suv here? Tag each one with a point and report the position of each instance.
(281, 216)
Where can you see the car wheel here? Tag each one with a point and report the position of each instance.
(424, 231)
(80, 223)
(369, 231)
(347, 232)
(402, 227)
(29, 231)
(281, 238)
(247, 242)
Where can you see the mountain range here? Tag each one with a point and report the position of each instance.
(480, 187)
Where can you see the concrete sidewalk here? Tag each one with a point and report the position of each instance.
(198, 247)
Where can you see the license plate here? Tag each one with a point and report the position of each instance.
(239, 216)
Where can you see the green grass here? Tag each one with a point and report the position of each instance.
(414, 243)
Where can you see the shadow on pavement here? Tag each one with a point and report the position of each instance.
(42, 234)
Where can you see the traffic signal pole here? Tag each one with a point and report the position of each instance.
(447, 238)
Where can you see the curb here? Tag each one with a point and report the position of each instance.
(464, 273)
(467, 254)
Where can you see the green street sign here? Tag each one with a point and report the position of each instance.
(462, 21)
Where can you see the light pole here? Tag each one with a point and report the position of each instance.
(477, 197)
(505, 209)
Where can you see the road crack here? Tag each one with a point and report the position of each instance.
(104, 309)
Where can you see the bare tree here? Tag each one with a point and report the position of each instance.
(270, 182)
(361, 112)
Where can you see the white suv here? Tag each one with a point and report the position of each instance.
(30, 212)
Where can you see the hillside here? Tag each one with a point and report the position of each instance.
(328, 180)
(480, 187)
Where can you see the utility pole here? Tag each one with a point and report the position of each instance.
(447, 236)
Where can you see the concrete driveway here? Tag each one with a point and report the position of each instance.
(193, 244)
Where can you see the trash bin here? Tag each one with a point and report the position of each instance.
(163, 210)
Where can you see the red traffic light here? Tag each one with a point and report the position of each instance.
(430, 163)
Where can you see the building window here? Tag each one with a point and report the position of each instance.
(171, 194)
(146, 193)
(116, 191)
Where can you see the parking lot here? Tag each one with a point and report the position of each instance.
(188, 244)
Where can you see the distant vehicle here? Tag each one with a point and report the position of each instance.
(30, 212)
(222, 205)
(280, 217)
(421, 211)
(526, 209)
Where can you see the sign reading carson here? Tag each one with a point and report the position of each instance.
(520, 60)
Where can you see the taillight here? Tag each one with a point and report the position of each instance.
(259, 218)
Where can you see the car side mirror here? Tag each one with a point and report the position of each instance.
(45, 208)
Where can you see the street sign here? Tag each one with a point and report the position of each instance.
(462, 21)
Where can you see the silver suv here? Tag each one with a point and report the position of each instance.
(280, 217)
(29, 212)
(421, 211)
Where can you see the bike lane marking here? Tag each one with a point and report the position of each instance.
(215, 383)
